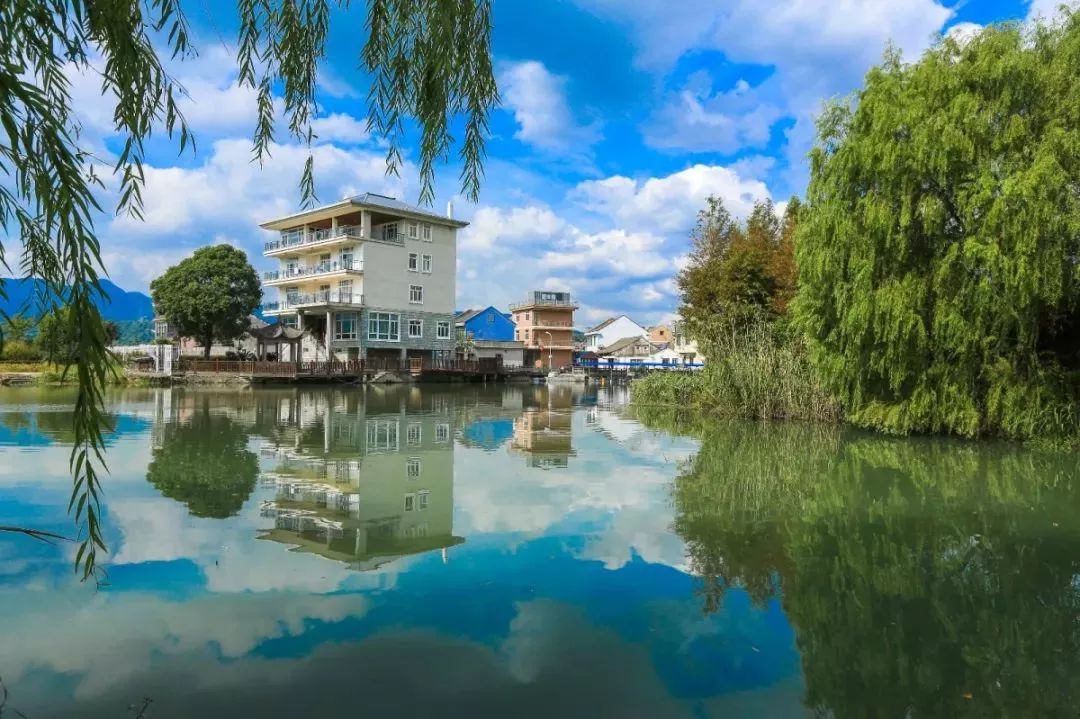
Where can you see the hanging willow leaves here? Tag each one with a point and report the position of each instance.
(938, 275)
(428, 60)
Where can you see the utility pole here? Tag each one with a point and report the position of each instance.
(549, 351)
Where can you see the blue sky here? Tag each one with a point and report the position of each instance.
(618, 119)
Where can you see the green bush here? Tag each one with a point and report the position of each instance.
(20, 351)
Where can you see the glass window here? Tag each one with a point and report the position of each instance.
(416, 328)
(427, 263)
(290, 321)
(442, 330)
(414, 231)
(426, 232)
(382, 435)
(390, 231)
(415, 433)
(442, 433)
(414, 262)
(410, 502)
(416, 294)
(384, 326)
(412, 467)
(526, 334)
(422, 499)
(345, 326)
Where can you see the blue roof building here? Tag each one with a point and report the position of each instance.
(486, 324)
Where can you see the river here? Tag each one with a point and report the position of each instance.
(497, 551)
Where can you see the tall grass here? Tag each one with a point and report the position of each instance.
(759, 371)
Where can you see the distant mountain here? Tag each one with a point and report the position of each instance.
(121, 306)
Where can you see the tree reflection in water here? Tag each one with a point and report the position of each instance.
(204, 463)
(922, 576)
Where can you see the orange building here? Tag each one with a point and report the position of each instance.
(545, 323)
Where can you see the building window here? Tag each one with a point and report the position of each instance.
(422, 499)
(426, 232)
(527, 315)
(491, 319)
(382, 435)
(414, 434)
(517, 334)
(416, 328)
(345, 326)
(526, 334)
(412, 467)
(427, 264)
(414, 231)
(390, 231)
(416, 294)
(290, 321)
(442, 433)
(442, 330)
(384, 326)
(410, 502)
(414, 262)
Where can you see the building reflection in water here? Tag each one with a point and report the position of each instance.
(542, 432)
(368, 477)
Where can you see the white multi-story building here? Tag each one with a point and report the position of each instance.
(369, 276)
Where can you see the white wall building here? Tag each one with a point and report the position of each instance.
(369, 276)
(611, 331)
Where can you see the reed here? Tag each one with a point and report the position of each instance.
(756, 372)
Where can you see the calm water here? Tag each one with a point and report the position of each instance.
(524, 552)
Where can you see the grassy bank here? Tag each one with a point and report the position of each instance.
(757, 373)
(46, 373)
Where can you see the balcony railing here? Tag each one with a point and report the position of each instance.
(561, 324)
(537, 302)
(326, 297)
(322, 268)
(299, 238)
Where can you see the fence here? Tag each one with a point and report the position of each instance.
(339, 367)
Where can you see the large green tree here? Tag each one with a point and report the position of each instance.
(209, 295)
(938, 274)
(427, 61)
(738, 272)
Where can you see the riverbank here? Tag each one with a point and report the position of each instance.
(760, 374)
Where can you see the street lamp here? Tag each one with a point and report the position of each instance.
(549, 350)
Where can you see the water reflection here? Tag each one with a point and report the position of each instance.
(922, 577)
(201, 459)
(536, 552)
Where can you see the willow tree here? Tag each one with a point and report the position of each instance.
(938, 257)
(428, 61)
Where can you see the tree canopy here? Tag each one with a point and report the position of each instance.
(738, 271)
(210, 295)
(939, 281)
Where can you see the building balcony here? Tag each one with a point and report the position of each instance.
(541, 324)
(275, 277)
(328, 299)
(300, 240)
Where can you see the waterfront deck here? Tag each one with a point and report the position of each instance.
(351, 370)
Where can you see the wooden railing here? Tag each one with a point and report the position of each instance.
(338, 367)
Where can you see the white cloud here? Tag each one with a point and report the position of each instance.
(617, 243)
(817, 49)
(339, 127)
(538, 100)
(698, 119)
(1048, 9)
(963, 32)
(667, 204)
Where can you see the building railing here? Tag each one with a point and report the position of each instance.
(326, 297)
(298, 237)
(536, 302)
(561, 324)
(323, 268)
(338, 367)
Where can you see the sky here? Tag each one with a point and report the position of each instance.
(618, 119)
